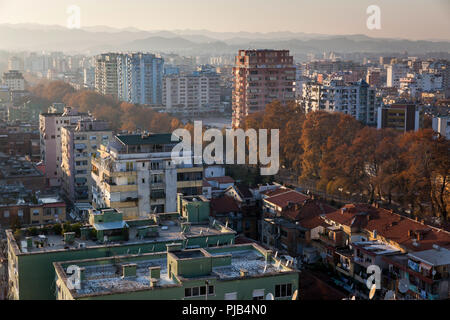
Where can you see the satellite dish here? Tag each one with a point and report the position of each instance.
(270, 296)
(372, 291)
(389, 295)
(353, 298)
(403, 285)
(295, 295)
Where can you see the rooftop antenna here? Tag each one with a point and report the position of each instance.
(372, 291)
(270, 296)
(226, 224)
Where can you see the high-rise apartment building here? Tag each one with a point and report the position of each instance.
(137, 175)
(139, 77)
(194, 93)
(261, 76)
(357, 99)
(50, 125)
(106, 74)
(79, 142)
(14, 80)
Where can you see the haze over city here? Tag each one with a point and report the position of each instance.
(409, 19)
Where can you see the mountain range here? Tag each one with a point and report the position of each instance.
(93, 40)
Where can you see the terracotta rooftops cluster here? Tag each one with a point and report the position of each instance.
(407, 232)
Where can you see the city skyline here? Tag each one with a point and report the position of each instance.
(327, 17)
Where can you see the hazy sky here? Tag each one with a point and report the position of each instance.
(414, 19)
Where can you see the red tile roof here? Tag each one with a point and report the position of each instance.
(308, 214)
(391, 226)
(284, 199)
(224, 204)
(224, 179)
(271, 193)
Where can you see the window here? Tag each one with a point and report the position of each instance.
(210, 289)
(198, 291)
(203, 290)
(283, 290)
(6, 214)
(36, 212)
(258, 294)
(20, 213)
(231, 296)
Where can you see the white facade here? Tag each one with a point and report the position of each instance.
(139, 77)
(198, 92)
(14, 80)
(394, 73)
(442, 125)
(357, 99)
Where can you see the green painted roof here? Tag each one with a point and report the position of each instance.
(138, 139)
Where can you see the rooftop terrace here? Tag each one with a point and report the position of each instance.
(168, 230)
(106, 275)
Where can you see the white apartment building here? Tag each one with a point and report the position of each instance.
(79, 143)
(139, 77)
(50, 125)
(357, 99)
(14, 80)
(394, 73)
(106, 74)
(441, 124)
(195, 93)
(137, 175)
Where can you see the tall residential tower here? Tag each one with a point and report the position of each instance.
(261, 76)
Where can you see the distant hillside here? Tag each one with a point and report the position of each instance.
(101, 38)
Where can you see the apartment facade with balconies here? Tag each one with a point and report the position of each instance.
(78, 144)
(260, 77)
(137, 175)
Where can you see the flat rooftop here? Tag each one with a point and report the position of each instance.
(377, 247)
(105, 275)
(107, 278)
(167, 231)
(434, 257)
(17, 167)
